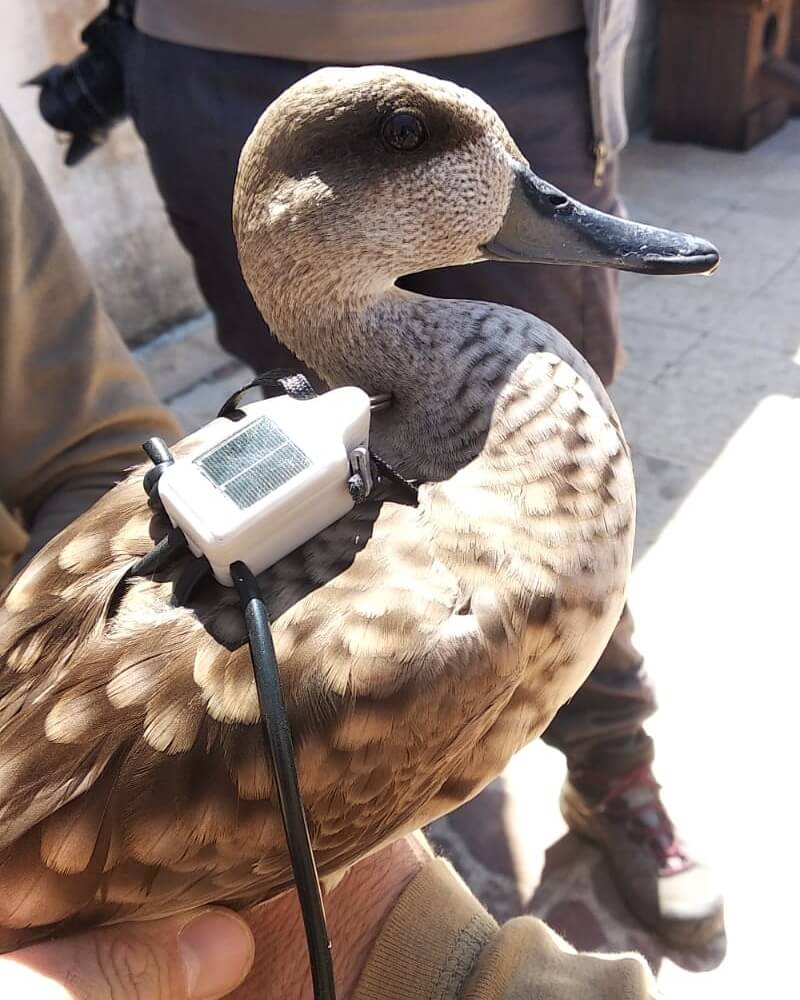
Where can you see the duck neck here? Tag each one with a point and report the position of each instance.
(443, 360)
(367, 339)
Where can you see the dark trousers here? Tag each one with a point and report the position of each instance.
(194, 109)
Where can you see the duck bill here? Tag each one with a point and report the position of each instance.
(545, 226)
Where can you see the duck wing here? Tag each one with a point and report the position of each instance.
(418, 647)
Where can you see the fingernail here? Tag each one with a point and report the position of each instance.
(217, 950)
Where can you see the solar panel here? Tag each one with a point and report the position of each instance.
(253, 463)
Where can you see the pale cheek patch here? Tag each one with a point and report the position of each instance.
(463, 197)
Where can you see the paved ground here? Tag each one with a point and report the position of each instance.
(711, 403)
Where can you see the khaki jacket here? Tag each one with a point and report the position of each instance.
(440, 944)
(74, 406)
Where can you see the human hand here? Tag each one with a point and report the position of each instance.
(195, 956)
(356, 908)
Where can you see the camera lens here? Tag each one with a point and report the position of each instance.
(86, 98)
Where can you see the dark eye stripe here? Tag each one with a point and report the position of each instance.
(403, 131)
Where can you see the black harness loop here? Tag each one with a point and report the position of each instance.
(281, 380)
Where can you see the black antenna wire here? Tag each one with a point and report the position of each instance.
(278, 738)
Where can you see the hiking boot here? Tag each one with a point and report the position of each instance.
(666, 889)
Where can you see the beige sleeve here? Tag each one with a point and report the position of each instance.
(74, 406)
(440, 944)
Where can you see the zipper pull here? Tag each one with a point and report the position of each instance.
(601, 154)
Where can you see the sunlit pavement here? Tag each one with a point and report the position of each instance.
(710, 400)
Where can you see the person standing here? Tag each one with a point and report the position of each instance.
(199, 73)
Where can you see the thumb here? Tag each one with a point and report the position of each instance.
(196, 956)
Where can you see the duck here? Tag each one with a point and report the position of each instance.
(420, 647)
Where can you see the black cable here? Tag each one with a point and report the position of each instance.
(157, 451)
(172, 544)
(191, 577)
(159, 454)
(279, 740)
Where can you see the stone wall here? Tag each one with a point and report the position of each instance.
(109, 202)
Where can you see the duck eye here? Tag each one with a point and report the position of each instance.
(403, 130)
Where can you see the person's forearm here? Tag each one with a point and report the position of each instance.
(356, 910)
(74, 405)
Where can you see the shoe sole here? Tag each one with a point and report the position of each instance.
(678, 933)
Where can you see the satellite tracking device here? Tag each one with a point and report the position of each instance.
(271, 480)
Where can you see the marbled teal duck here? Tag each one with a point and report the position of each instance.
(420, 647)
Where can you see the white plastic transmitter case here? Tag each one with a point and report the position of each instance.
(268, 482)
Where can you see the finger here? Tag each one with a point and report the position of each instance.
(198, 956)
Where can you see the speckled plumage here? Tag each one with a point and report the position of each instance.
(419, 647)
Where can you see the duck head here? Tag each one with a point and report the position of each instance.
(356, 176)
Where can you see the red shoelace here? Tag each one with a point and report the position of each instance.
(644, 818)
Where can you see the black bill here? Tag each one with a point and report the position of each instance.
(543, 225)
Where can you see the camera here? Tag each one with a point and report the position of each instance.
(86, 98)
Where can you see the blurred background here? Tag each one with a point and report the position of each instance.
(110, 205)
(710, 400)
